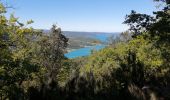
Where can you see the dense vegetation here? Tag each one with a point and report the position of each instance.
(135, 66)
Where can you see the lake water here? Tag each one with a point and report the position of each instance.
(87, 50)
(83, 51)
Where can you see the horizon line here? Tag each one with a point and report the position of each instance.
(87, 31)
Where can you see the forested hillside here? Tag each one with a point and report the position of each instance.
(135, 65)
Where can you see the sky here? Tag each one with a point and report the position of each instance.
(79, 15)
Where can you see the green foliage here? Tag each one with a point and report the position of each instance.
(33, 66)
(103, 62)
(50, 52)
(15, 60)
(146, 52)
(109, 60)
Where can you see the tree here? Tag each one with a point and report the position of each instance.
(51, 49)
(153, 36)
(16, 40)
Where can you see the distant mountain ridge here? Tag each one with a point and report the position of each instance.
(79, 33)
(81, 39)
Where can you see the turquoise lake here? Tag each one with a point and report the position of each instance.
(87, 50)
(83, 51)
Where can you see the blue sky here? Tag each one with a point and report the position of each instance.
(80, 15)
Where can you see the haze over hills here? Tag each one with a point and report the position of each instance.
(83, 39)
